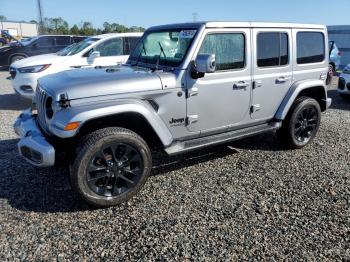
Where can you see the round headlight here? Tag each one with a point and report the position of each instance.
(48, 108)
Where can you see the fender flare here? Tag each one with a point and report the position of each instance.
(294, 92)
(85, 113)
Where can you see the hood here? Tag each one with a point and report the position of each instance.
(39, 60)
(92, 82)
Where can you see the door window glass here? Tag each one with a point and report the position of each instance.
(111, 47)
(310, 47)
(272, 49)
(45, 41)
(63, 40)
(129, 44)
(229, 50)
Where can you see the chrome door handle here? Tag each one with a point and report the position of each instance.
(241, 85)
(282, 80)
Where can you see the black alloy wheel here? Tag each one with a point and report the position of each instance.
(114, 170)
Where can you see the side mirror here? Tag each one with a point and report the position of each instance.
(35, 46)
(203, 64)
(93, 56)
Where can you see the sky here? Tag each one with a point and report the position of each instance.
(155, 12)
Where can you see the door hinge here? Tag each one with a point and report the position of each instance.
(191, 119)
(255, 108)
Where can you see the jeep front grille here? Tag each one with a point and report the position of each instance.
(40, 99)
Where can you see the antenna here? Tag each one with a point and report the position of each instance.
(41, 18)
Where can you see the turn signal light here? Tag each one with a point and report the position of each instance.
(71, 126)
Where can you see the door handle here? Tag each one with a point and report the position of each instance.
(241, 85)
(282, 80)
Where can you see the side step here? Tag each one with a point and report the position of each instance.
(197, 143)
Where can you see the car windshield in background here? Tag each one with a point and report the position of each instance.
(166, 48)
(78, 47)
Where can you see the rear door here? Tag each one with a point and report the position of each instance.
(272, 70)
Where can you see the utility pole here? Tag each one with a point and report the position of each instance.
(40, 17)
(194, 16)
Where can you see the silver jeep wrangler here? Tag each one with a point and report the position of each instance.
(184, 87)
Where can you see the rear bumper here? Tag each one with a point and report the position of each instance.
(33, 145)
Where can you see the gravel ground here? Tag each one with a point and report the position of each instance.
(250, 199)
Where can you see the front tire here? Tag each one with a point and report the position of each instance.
(301, 124)
(112, 165)
(16, 58)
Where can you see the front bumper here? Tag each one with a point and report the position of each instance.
(25, 84)
(33, 145)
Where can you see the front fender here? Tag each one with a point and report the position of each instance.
(294, 92)
(87, 112)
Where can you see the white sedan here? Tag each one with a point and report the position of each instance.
(344, 82)
(100, 50)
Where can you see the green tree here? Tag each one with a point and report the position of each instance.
(33, 21)
(3, 18)
(56, 25)
(74, 30)
(87, 29)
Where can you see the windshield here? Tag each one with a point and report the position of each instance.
(78, 47)
(167, 47)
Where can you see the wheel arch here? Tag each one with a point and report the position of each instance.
(314, 89)
(16, 54)
(138, 116)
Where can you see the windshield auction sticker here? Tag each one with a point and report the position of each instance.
(187, 33)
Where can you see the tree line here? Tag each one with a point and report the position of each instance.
(58, 25)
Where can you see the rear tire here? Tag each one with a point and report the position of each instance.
(301, 124)
(111, 166)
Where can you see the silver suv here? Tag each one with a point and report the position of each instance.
(184, 87)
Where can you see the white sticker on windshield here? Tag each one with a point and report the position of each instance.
(187, 33)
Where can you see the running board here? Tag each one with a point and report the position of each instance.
(197, 143)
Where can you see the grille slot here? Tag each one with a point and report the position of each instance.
(40, 99)
(13, 72)
(341, 84)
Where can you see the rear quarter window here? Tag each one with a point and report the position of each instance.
(310, 47)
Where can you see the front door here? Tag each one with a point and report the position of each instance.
(272, 71)
(221, 99)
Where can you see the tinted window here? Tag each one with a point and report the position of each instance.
(45, 41)
(63, 40)
(310, 47)
(77, 39)
(272, 49)
(111, 47)
(229, 50)
(129, 44)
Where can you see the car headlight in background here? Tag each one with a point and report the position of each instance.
(33, 69)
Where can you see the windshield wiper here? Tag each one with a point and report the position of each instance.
(139, 56)
(161, 51)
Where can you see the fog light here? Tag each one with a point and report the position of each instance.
(71, 126)
(27, 89)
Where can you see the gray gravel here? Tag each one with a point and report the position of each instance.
(250, 199)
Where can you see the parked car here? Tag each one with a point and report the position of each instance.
(334, 60)
(344, 82)
(101, 50)
(39, 45)
(184, 87)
